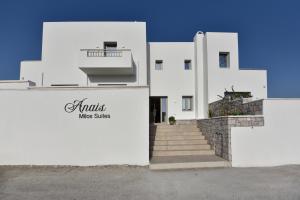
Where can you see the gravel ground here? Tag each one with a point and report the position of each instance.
(121, 182)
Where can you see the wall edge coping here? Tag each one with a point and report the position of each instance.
(234, 116)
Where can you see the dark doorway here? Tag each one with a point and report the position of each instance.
(154, 109)
(158, 109)
(110, 49)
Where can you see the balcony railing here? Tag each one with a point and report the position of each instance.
(104, 52)
(106, 61)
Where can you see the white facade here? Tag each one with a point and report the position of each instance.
(111, 63)
(65, 61)
(35, 128)
(206, 80)
(12, 84)
(275, 143)
(173, 81)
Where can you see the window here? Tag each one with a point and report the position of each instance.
(158, 65)
(110, 49)
(224, 59)
(187, 103)
(187, 65)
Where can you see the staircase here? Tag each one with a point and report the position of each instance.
(181, 146)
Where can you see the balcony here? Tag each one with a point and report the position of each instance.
(106, 62)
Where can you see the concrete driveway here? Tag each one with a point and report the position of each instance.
(142, 184)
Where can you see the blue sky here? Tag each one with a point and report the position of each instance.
(269, 31)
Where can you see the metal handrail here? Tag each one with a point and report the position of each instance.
(104, 52)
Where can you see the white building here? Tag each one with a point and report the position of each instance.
(90, 98)
(183, 76)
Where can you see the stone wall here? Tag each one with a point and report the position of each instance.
(217, 131)
(226, 107)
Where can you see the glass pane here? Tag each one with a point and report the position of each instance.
(223, 60)
(158, 65)
(187, 65)
(110, 49)
(163, 117)
(188, 106)
(164, 104)
(163, 109)
(183, 104)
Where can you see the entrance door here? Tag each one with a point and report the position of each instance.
(158, 109)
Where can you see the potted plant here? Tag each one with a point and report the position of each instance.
(172, 120)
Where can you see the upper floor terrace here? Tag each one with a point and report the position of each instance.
(106, 62)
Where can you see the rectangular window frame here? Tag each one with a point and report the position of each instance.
(110, 49)
(226, 64)
(159, 65)
(189, 62)
(187, 106)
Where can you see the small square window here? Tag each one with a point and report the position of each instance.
(224, 59)
(187, 64)
(158, 65)
(187, 103)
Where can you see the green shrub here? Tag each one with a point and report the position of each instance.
(172, 120)
(210, 113)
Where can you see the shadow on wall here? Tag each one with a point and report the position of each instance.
(148, 65)
(132, 78)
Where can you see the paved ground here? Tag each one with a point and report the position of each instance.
(142, 184)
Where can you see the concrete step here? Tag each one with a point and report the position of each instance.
(182, 152)
(173, 126)
(179, 142)
(178, 137)
(176, 125)
(186, 122)
(182, 147)
(187, 162)
(165, 124)
(181, 121)
(192, 165)
(175, 133)
(176, 128)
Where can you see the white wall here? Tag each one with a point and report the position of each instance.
(173, 81)
(254, 81)
(276, 143)
(62, 42)
(36, 130)
(15, 84)
(206, 80)
(33, 71)
(201, 83)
